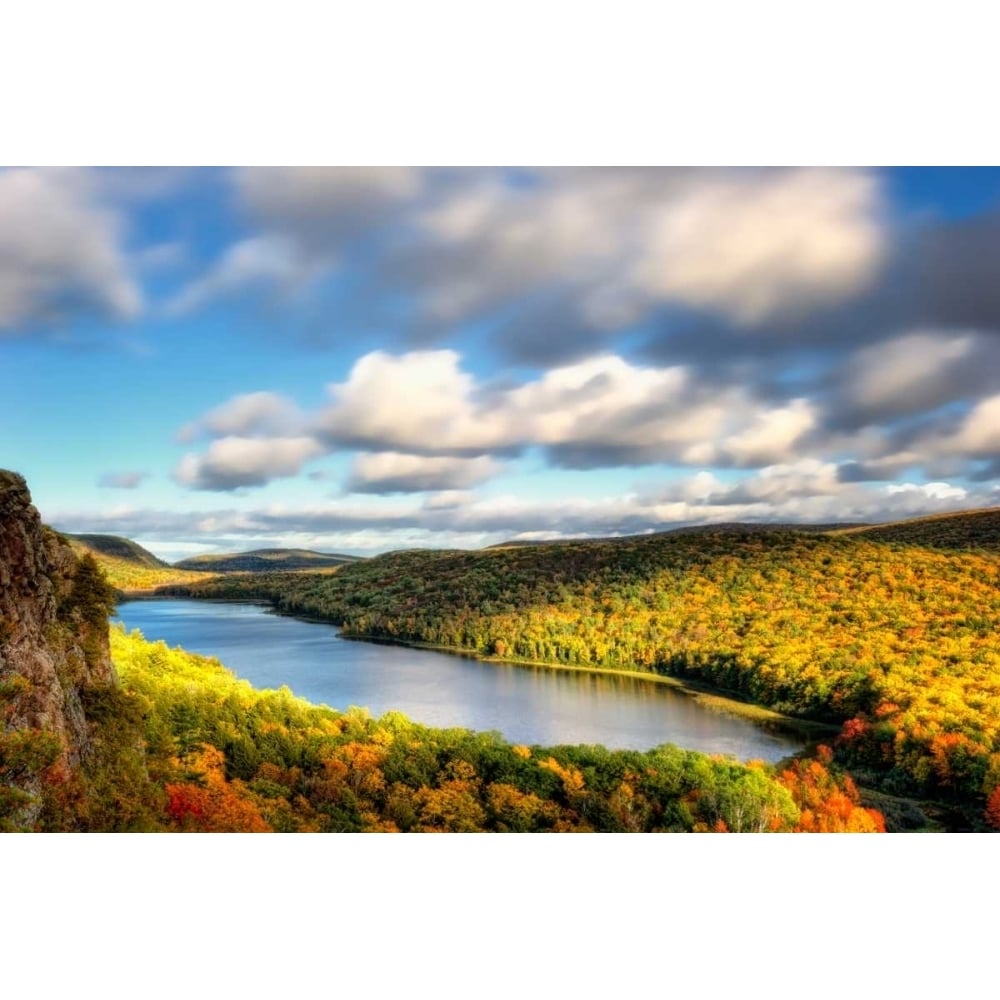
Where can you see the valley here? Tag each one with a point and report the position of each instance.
(890, 643)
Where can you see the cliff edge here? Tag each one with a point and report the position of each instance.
(53, 647)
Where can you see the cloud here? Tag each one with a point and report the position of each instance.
(250, 265)
(392, 472)
(425, 424)
(319, 208)
(746, 245)
(932, 491)
(402, 410)
(771, 435)
(914, 373)
(882, 469)
(418, 402)
(978, 436)
(752, 245)
(234, 462)
(61, 252)
(122, 480)
(160, 257)
(951, 274)
(965, 442)
(601, 411)
(800, 493)
(581, 253)
(253, 413)
(304, 218)
(777, 485)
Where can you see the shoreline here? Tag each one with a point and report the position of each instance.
(706, 695)
(937, 816)
(713, 698)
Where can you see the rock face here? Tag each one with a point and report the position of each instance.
(53, 645)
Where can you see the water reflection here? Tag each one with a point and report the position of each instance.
(526, 704)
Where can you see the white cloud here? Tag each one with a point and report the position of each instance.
(232, 462)
(60, 251)
(752, 245)
(405, 409)
(747, 244)
(416, 402)
(771, 435)
(253, 413)
(392, 472)
(930, 491)
(598, 412)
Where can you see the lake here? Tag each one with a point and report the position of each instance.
(531, 705)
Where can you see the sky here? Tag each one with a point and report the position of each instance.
(360, 359)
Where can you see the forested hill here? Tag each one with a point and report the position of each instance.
(131, 735)
(115, 547)
(264, 560)
(720, 527)
(134, 571)
(899, 643)
(129, 568)
(968, 529)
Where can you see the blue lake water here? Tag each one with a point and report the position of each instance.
(531, 705)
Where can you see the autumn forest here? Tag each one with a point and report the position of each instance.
(888, 643)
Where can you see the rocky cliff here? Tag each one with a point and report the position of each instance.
(53, 648)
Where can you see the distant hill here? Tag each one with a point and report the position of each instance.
(264, 561)
(116, 547)
(129, 567)
(760, 527)
(717, 528)
(966, 529)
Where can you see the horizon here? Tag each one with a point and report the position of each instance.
(357, 360)
(777, 525)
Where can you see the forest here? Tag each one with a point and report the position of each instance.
(182, 745)
(894, 642)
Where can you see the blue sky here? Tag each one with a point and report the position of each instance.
(361, 359)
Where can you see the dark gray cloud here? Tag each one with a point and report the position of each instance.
(956, 273)
(862, 472)
(322, 208)
(62, 254)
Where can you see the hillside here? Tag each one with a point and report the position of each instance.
(264, 561)
(898, 643)
(129, 568)
(54, 659)
(168, 741)
(967, 529)
(719, 527)
(116, 547)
